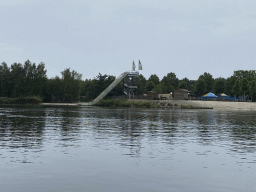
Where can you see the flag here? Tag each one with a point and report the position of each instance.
(133, 66)
(140, 66)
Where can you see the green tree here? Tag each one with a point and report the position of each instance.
(17, 80)
(220, 85)
(90, 89)
(55, 89)
(5, 90)
(252, 88)
(200, 87)
(230, 82)
(209, 82)
(71, 84)
(149, 86)
(154, 78)
(171, 82)
(161, 88)
(192, 88)
(141, 84)
(245, 86)
(187, 81)
(93, 88)
(35, 79)
(240, 74)
(183, 85)
(237, 88)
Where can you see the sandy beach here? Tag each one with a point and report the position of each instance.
(219, 105)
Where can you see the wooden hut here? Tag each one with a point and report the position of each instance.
(152, 95)
(164, 96)
(181, 94)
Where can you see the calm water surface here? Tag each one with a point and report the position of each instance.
(105, 149)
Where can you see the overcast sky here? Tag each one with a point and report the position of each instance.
(90, 36)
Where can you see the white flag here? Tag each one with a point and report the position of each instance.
(140, 66)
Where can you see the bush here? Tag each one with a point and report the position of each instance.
(21, 100)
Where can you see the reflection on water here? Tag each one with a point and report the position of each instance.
(131, 149)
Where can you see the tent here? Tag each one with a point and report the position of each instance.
(209, 96)
(223, 95)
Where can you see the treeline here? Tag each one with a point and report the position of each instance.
(241, 83)
(30, 80)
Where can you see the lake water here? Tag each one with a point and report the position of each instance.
(112, 149)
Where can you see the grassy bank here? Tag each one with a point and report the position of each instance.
(193, 107)
(21, 100)
(145, 103)
(125, 103)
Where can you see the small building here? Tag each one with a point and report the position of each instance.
(152, 95)
(181, 94)
(164, 96)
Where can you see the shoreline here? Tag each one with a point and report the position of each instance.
(182, 104)
(218, 105)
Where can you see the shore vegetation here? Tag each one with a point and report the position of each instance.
(19, 82)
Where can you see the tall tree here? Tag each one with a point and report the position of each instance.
(17, 78)
(171, 82)
(237, 88)
(56, 90)
(192, 88)
(187, 81)
(141, 84)
(252, 88)
(209, 81)
(161, 88)
(71, 84)
(230, 82)
(149, 85)
(245, 86)
(5, 89)
(240, 74)
(183, 85)
(200, 87)
(154, 78)
(220, 85)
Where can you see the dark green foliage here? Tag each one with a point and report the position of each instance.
(209, 82)
(149, 86)
(252, 89)
(192, 88)
(161, 88)
(230, 84)
(23, 80)
(71, 85)
(141, 84)
(5, 89)
(154, 78)
(171, 82)
(67, 88)
(220, 85)
(240, 74)
(187, 81)
(237, 88)
(93, 88)
(20, 100)
(245, 86)
(200, 87)
(30, 80)
(55, 89)
(183, 85)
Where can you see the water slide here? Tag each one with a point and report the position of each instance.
(108, 89)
